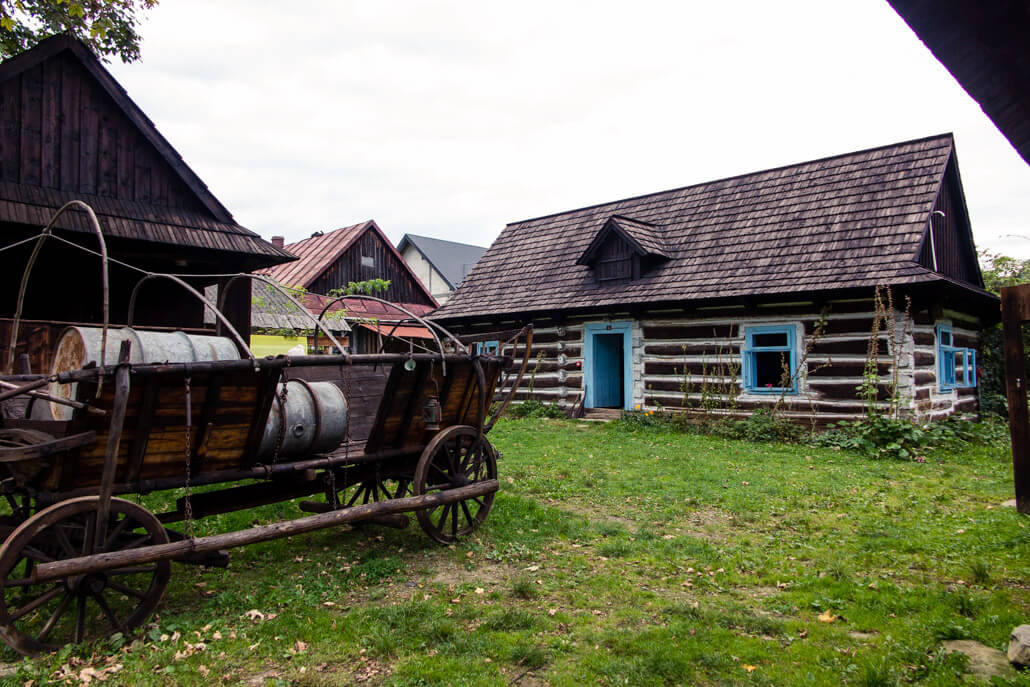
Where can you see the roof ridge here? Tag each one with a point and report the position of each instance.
(946, 135)
(433, 238)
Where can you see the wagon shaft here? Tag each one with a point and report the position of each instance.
(117, 559)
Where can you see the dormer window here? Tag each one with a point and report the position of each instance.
(623, 250)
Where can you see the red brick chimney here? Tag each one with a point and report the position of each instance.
(278, 241)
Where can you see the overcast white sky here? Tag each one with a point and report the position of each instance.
(450, 119)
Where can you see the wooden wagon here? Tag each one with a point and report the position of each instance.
(77, 562)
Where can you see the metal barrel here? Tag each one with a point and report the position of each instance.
(79, 346)
(316, 420)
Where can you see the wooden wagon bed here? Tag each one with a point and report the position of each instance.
(415, 444)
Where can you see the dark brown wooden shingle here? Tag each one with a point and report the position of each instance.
(852, 220)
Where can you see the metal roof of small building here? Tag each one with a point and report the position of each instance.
(451, 259)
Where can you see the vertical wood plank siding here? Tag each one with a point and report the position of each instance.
(385, 265)
(954, 256)
(692, 361)
(60, 130)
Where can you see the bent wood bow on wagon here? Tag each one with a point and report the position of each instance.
(377, 435)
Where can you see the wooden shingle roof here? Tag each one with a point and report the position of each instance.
(853, 220)
(984, 46)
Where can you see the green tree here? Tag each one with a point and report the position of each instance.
(998, 271)
(1002, 270)
(108, 27)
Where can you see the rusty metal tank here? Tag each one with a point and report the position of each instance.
(316, 420)
(79, 346)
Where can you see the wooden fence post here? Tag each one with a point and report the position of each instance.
(1015, 310)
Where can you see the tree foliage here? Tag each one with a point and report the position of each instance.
(998, 271)
(1002, 270)
(108, 27)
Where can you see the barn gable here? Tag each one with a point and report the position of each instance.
(69, 131)
(947, 247)
(360, 252)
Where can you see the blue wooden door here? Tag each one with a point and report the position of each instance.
(608, 370)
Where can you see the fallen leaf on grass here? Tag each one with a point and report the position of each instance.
(827, 617)
(749, 668)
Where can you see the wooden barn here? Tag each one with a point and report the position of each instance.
(752, 291)
(329, 261)
(68, 131)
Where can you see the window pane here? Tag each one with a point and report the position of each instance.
(771, 339)
(771, 369)
(945, 337)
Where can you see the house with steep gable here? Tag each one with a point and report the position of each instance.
(69, 131)
(328, 261)
(755, 291)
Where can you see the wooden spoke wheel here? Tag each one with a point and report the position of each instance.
(368, 491)
(455, 458)
(36, 617)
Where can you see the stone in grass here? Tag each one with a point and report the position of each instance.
(1019, 646)
(984, 662)
(1011, 503)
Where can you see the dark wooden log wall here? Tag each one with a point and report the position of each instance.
(386, 265)
(60, 130)
(692, 360)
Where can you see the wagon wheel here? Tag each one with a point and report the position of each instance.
(368, 491)
(455, 457)
(43, 616)
(23, 471)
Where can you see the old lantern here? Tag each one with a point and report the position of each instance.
(432, 411)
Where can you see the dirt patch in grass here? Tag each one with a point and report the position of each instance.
(261, 679)
(594, 515)
(483, 573)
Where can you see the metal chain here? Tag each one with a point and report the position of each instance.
(282, 414)
(188, 507)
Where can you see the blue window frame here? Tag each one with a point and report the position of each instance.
(767, 350)
(956, 366)
(487, 347)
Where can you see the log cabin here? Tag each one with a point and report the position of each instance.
(69, 131)
(755, 291)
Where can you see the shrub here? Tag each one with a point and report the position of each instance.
(884, 437)
(762, 425)
(534, 408)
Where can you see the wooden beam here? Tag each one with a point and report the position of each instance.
(1015, 310)
(114, 440)
(141, 433)
(147, 554)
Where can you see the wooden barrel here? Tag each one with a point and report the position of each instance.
(316, 420)
(79, 346)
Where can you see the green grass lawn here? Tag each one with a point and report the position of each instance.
(616, 558)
